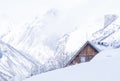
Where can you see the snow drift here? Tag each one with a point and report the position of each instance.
(104, 67)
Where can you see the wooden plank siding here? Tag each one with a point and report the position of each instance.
(88, 52)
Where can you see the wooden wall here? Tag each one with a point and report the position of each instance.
(88, 52)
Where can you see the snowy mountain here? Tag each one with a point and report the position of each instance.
(30, 48)
(43, 32)
(32, 44)
(33, 38)
(39, 38)
(110, 33)
(70, 43)
(104, 67)
(14, 62)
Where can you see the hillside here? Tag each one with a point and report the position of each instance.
(50, 32)
(14, 62)
(104, 67)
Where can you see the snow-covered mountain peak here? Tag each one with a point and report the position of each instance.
(52, 12)
(109, 18)
(107, 31)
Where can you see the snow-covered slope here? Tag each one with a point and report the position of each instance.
(107, 31)
(13, 62)
(40, 36)
(104, 67)
(109, 34)
(114, 39)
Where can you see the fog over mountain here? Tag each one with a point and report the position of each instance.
(39, 29)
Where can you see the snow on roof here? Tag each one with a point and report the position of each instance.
(82, 47)
(75, 40)
(104, 67)
(78, 39)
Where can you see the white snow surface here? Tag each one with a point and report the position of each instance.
(38, 36)
(76, 40)
(104, 67)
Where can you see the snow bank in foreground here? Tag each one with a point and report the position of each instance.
(104, 67)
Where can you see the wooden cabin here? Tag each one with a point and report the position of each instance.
(85, 54)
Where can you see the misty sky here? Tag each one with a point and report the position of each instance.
(20, 12)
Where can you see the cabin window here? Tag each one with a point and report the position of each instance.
(82, 59)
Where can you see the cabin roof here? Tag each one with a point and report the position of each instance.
(81, 48)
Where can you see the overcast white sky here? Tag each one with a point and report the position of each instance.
(20, 11)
